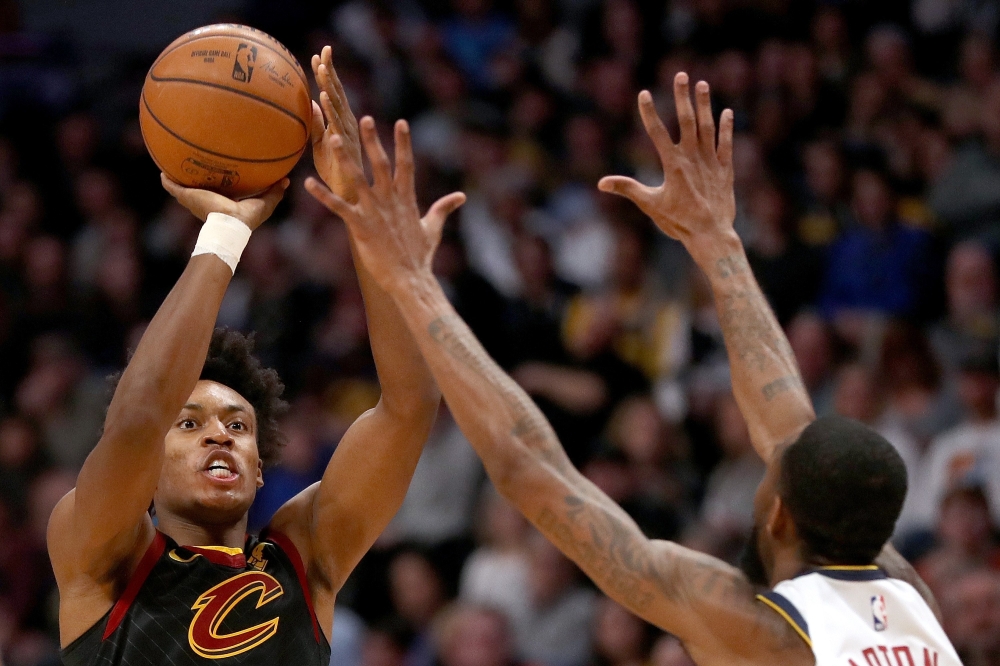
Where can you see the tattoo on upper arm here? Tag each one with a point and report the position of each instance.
(781, 385)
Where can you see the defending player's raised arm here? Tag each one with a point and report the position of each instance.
(709, 604)
(696, 205)
(367, 478)
(103, 522)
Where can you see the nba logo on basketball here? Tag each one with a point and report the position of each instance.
(246, 56)
(879, 616)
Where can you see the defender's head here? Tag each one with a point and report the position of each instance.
(832, 497)
(223, 438)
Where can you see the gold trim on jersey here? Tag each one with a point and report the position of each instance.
(850, 567)
(177, 558)
(788, 618)
(223, 549)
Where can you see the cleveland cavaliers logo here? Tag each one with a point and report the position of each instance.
(214, 605)
(246, 56)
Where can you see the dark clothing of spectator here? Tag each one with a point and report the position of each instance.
(882, 271)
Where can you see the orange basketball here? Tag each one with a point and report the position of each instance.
(225, 107)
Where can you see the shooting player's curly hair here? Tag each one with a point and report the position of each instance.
(231, 362)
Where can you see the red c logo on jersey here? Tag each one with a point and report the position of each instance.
(214, 605)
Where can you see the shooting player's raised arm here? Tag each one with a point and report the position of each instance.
(101, 527)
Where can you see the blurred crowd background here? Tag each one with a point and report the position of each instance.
(867, 157)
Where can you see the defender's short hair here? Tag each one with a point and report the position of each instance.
(844, 486)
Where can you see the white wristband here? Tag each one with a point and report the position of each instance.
(224, 236)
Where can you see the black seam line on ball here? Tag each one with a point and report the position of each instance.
(235, 91)
(293, 63)
(217, 154)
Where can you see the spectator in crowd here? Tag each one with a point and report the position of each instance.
(440, 503)
(620, 638)
(970, 451)
(561, 609)
(727, 510)
(879, 266)
(972, 317)
(966, 536)
(967, 195)
(497, 573)
(474, 636)
(970, 605)
(418, 595)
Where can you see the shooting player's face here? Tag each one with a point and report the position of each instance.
(211, 468)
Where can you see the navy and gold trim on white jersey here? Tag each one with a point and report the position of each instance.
(788, 611)
(851, 573)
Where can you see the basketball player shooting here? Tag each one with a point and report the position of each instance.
(192, 424)
(833, 488)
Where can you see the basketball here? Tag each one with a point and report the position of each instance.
(226, 108)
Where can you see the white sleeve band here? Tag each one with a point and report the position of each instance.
(224, 236)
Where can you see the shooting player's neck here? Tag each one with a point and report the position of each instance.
(188, 533)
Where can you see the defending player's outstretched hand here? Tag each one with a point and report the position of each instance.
(696, 201)
(252, 211)
(393, 242)
(332, 117)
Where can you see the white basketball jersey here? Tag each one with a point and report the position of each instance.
(857, 616)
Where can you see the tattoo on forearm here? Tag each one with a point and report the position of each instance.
(750, 329)
(529, 425)
(780, 385)
(732, 265)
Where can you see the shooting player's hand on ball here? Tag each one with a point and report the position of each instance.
(252, 212)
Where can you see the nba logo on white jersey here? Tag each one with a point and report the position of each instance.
(879, 616)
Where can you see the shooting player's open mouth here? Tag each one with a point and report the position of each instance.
(221, 466)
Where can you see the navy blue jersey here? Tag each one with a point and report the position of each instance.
(187, 606)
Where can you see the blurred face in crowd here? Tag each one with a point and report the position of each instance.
(965, 522)
(810, 341)
(855, 393)
(18, 442)
(872, 200)
(971, 609)
(991, 117)
(551, 575)
(638, 430)
(978, 391)
(211, 468)
(476, 636)
(506, 527)
(628, 264)
(416, 590)
(379, 649)
(619, 636)
(970, 281)
(731, 428)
